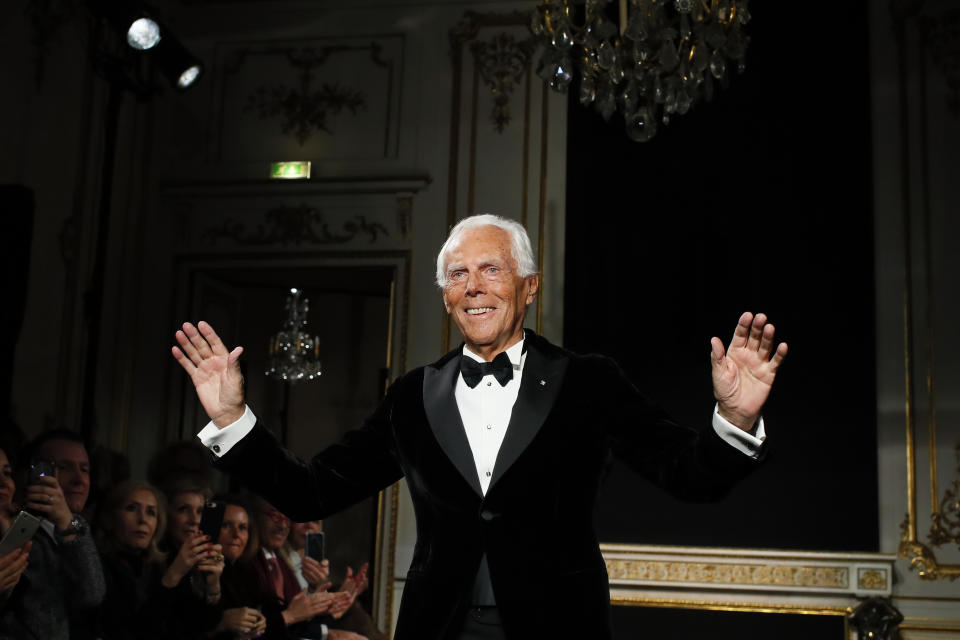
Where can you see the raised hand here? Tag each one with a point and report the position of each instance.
(315, 573)
(46, 498)
(743, 376)
(214, 371)
(356, 583)
(195, 549)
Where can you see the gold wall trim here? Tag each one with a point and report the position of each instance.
(929, 628)
(541, 237)
(745, 607)
(920, 555)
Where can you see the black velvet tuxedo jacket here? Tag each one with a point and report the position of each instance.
(535, 523)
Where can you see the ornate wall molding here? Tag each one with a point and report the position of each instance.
(925, 37)
(748, 570)
(502, 62)
(303, 109)
(298, 224)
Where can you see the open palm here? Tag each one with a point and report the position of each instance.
(744, 374)
(214, 371)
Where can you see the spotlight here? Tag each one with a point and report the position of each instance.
(179, 66)
(143, 33)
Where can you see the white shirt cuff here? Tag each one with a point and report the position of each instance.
(737, 438)
(220, 441)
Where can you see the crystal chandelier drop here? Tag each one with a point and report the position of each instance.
(294, 354)
(650, 59)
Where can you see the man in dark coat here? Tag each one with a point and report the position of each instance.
(502, 443)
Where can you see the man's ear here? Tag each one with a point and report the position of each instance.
(446, 305)
(534, 283)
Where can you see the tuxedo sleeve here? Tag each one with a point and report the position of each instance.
(691, 465)
(360, 465)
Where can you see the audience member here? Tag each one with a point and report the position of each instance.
(312, 574)
(138, 603)
(63, 581)
(269, 576)
(13, 563)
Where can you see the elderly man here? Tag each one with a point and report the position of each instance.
(64, 581)
(502, 442)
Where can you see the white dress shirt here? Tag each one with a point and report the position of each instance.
(485, 411)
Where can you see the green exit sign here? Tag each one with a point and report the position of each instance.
(290, 170)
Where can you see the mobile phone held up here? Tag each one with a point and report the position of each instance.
(19, 533)
(316, 545)
(41, 468)
(212, 519)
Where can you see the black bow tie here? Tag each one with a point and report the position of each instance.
(473, 371)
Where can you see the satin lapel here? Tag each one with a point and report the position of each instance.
(539, 388)
(440, 404)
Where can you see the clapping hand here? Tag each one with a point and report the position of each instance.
(743, 376)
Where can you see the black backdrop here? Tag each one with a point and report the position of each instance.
(760, 201)
(757, 201)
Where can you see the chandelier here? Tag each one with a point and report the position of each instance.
(294, 354)
(650, 59)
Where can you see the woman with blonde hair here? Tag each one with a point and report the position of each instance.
(141, 601)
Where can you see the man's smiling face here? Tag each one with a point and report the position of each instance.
(484, 294)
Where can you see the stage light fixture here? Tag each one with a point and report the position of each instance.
(143, 33)
(179, 66)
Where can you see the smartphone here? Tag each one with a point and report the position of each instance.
(41, 468)
(19, 533)
(316, 545)
(212, 519)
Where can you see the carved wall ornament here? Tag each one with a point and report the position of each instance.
(945, 522)
(921, 557)
(502, 63)
(732, 574)
(872, 580)
(304, 109)
(942, 35)
(301, 224)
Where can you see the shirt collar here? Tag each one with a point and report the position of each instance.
(515, 353)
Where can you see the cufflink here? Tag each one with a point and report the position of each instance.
(216, 448)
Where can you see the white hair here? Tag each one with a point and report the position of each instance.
(520, 248)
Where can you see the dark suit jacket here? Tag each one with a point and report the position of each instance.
(535, 523)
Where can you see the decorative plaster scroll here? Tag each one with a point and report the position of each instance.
(945, 522)
(304, 109)
(301, 224)
(502, 63)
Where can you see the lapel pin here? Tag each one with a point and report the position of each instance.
(543, 383)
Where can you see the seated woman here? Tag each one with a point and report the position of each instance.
(183, 542)
(145, 598)
(13, 563)
(260, 601)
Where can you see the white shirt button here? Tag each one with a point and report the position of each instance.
(489, 426)
(488, 474)
(489, 384)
